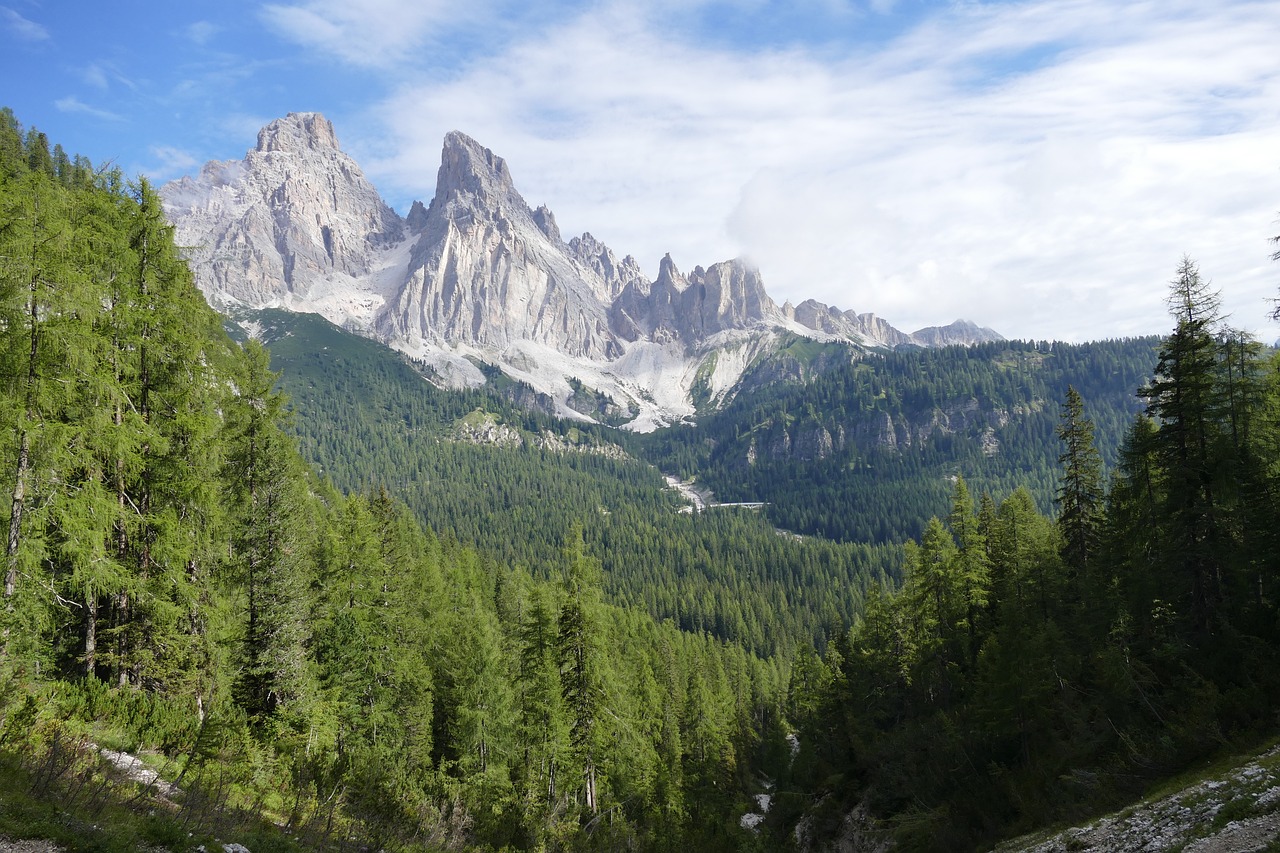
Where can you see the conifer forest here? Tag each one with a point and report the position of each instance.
(279, 572)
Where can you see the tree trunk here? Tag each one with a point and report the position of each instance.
(90, 634)
(15, 518)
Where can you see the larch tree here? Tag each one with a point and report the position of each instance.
(580, 661)
(42, 304)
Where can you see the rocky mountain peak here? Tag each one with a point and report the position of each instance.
(298, 132)
(481, 274)
(546, 222)
(468, 168)
(669, 275)
(417, 218)
(600, 259)
(963, 332)
(288, 225)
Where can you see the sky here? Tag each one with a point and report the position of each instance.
(1039, 167)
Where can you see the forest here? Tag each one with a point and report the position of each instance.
(1034, 670)
(311, 669)
(866, 451)
(346, 627)
(726, 572)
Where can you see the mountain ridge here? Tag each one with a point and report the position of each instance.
(479, 276)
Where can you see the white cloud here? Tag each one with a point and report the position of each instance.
(372, 33)
(1037, 167)
(171, 162)
(201, 32)
(102, 75)
(72, 104)
(96, 76)
(23, 28)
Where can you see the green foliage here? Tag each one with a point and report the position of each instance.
(178, 584)
(864, 448)
(1074, 661)
(727, 572)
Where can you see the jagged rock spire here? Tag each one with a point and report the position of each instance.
(298, 132)
(295, 224)
(468, 168)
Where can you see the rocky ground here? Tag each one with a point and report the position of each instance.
(28, 846)
(1234, 811)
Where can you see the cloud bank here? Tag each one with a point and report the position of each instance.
(1038, 167)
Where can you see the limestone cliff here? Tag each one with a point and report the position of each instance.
(477, 274)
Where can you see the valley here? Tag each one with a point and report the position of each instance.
(442, 532)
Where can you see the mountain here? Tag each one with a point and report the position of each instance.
(479, 277)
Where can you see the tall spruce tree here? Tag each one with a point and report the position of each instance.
(542, 725)
(266, 546)
(1080, 492)
(971, 567)
(1185, 397)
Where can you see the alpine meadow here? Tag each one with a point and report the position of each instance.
(332, 529)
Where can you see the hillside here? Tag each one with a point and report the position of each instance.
(341, 604)
(1229, 809)
(865, 447)
(509, 481)
(311, 669)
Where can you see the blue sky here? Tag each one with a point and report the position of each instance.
(1039, 167)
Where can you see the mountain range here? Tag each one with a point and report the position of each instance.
(478, 279)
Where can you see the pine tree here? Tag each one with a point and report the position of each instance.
(1185, 398)
(266, 546)
(1079, 496)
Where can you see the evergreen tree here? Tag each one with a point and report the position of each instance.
(542, 725)
(580, 662)
(970, 567)
(936, 602)
(266, 546)
(43, 293)
(1185, 398)
(1080, 490)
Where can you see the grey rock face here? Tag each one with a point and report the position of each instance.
(600, 259)
(488, 271)
(867, 329)
(295, 224)
(730, 295)
(871, 330)
(960, 332)
(296, 211)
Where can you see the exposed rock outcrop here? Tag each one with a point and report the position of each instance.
(274, 228)
(488, 271)
(479, 276)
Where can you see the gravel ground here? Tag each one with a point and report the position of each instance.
(1191, 820)
(31, 846)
